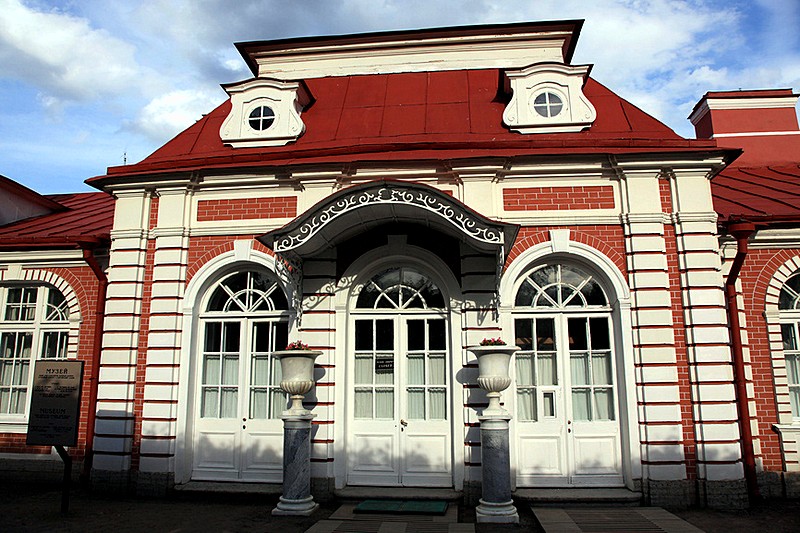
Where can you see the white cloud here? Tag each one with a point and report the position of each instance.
(64, 56)
(174, 111)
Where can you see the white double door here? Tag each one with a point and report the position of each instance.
(567, 422)
(238, 435)
(399, 405)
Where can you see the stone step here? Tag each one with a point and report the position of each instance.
(396, 493)
(584, 497)
(229, 487)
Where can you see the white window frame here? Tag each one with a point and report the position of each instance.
(38, 328)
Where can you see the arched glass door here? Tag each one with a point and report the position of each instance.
(398, 394)
(566, 399)
(238, 432)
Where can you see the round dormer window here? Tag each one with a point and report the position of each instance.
(548, 104)
(261, 118)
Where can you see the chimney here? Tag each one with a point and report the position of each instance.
(761, 122)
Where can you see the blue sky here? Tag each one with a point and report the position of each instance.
(84, 84)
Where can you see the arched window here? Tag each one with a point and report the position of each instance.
(245, 320)
(400, 288)
(34, 324)
(789, 308)
(562, 325)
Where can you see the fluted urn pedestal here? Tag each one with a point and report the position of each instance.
(496, 505)
(297, 379)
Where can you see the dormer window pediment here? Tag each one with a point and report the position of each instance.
(548, 98)
(264, 112)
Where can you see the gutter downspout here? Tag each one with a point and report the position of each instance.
(91, 260)
(741, 231)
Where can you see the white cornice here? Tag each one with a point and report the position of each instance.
(501, 50)
(58, 257)
(755, 134)
(777, 102)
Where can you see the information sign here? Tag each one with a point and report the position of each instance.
(384, 365)
(55, 403)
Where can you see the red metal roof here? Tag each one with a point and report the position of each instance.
(412, 116)
(763, 193)
(87, 218)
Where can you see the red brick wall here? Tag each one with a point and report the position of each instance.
(247, 208)
(607, 239)
(758, 269)
(558, 198)
(84, 284)
(203, 249)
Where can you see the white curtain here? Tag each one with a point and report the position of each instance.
(416, 369)
(229, 402)
(581, 410)
(259, 399)
(526, 404)
(363, 406)
(384, 403)
(259, 372)
(547, 369)
(579, 365)
(604, 405)
(549, 404)
(524, 369)
(18, 397)
(416, 403)
(363, 369)
(436, 366)
(279, 403)
(438, 403)
(21, 375)
(210, 402)
(601, 368)
(230, 370)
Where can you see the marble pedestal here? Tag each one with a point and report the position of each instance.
(496, 505)
(296, 499)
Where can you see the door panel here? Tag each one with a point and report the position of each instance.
(237, 433)
(400, 416)
(567, 432)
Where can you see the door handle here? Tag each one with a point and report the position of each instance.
(403, 423)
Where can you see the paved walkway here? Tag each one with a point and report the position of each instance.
(619, 520)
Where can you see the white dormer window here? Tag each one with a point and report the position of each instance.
(548, 98)
(264, 112)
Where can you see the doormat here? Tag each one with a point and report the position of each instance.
(402, 507)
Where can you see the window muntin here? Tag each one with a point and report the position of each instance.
(547, 104)
(558, 286)
(400, 288)
(245, 322)
(789, 308)
(261, 118)
(34, 324)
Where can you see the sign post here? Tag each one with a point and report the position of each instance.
(55, 412)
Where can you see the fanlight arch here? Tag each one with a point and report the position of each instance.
(400, 288)
(560, 286)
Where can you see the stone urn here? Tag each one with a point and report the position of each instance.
(297, 376)
(493, 376)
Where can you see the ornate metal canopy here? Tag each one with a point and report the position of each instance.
(356, 209)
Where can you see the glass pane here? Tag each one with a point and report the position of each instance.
(545, 334)
(794, 398)
(57, 309)
(437, 400)
(213, 341)
(384, 334)
(7, 345)
(416, 369)
(525, 295)
(526, 404)
(364, 335)
(593, 294)
(524, 369)
(603, 404)
(384, 403)
(789, 336)
(416, 403)
(363, 406)
(281, 333)
(363, 370)
(416, 334)
(581, 410)
(210, 402)
(553, 292)
(231, 337)
(366, 299)
(433, 296)
(545, 276)
(21, 375)
(577, 334)
(385, 375)
(6, 372)
(259, 373)
(547, 369)
(277, 373)
(230, 370)
(259, 399)
(211, 370)
(793, 369)
(549, 404)
(601, 369)
(579, 367)
(436, 335)
(436, 364)
(598, 329)
(5, 399)
(228, 404)
(261, 340)
(18, 397)
(522, 331)
(785, 300)
(53, 345)
(280, 403)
